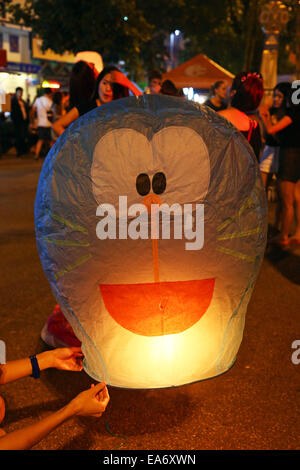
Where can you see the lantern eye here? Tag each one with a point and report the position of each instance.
(159, 183)
(143, 184)
(127, 163)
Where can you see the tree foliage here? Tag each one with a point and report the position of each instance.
(228, 31)
(77, 25)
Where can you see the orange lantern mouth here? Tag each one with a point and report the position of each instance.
(159, 308)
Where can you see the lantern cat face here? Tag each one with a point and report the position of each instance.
(150, 312)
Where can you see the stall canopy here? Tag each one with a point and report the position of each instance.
(198, 72)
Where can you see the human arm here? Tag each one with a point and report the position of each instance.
(121, 79)
(91, 402)
(32, 113)
(60, 358)
(273, 128)
(61, 124)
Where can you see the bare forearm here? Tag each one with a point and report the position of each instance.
(280, 125)
(26, 438)
(62, 123)
(58, 129)
(14, 370)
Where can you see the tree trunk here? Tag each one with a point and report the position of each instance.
(251, 34)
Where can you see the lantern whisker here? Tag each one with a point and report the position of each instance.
(231, 219)
(239, 234)
(68, 223)
(65, 242)
(236, 254)
(70, 267)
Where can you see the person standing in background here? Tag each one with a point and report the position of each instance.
(289, 169)
(43, 108)
(58, 110)
(218, 96)
(245, 96)
(154, 80)
(168, 88)
(20, 119)
(269, 161)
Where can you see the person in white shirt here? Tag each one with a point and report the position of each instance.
(43, 108)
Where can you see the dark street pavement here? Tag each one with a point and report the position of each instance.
(255, 405)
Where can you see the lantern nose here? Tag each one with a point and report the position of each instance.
(151, 199)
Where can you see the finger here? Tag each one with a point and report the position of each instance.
(76, 349)
(105, 402)
(105, 393)
(77, 355)
(76, 365)
(97, 388)
(104, 405)
(100, 396)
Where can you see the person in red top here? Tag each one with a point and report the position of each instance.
(245, 96)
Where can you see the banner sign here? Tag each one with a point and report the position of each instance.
(25, 68)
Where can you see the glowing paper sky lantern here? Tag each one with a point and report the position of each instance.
(91, 57)
(164, 311)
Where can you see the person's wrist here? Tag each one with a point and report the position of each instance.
(45, 360)
(73, 407)
(66, 412)
(35, 367)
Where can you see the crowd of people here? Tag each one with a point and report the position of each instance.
(271, 130)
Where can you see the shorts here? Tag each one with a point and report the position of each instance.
(289, 164)
(44, 133)
(269, 161)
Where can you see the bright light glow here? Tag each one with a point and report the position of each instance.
(199, 98)
(91, 57)
(125, 18)
(46, 84)
(177, 32)
(10, 81)
(191, 95)
(165, 346)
